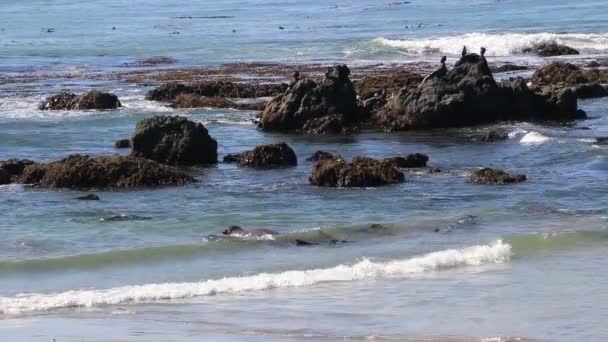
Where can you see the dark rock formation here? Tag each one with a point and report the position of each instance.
(305, 100)
(92, 100)
(265, 156)
(493, 136)
(196, 101)
(590, 90)
(11, 169)
(123, 143)
(508, 67)
(548, 49)
(469, 95)
(77, 171)
(491, 176)
(361, 172)
(319, 155)
(412, 160)
(89, 197)
(169, 91)
(173, 140)
(330, 124)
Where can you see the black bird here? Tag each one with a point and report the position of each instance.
(296, 76)
(464, 51)
(443, 59)
(482, 51)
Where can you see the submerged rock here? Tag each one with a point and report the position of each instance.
(265, 156)
(197, 101)
(361, 172)
(123, 143)
(170, 91)
(78, 171)
(322, 108)
(492, 176)
(410, 161)
(92, 100)
(319, 155)
(548, 49)
(469, 95)
(173, 140)
(89, 197)
(494, 136)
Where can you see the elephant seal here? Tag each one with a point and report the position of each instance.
(240, 232)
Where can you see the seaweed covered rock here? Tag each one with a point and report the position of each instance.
(567, 74)
(12, 169)
(173, 140)
(92, 100)
(549, 49)
(78, 171)
(318, 155)
(373, 85)
(265, 156)
(361, 172)
(492, 176)
(410, 161)
(170, 91)
(469, 95)
(305, 101)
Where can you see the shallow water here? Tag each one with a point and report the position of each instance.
(434, 258)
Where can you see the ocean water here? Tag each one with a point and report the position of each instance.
(432, 259)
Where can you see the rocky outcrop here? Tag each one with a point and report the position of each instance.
(77, 171)
(265, 156)
(371, 86)
(92, 100)
(173, 140)
(11, 169)
(306, 103)
(361, 172)
(197, 101)
(410, 161)
(492, 176)
(469, 95)
(170, 91)
(123, 143)
(549, 49)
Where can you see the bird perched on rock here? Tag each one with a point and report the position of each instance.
(464, 51)
(439, 72)
(482, 51)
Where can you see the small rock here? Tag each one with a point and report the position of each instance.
(320, 155)
(361, 172)
(412, 160)
(492, 176)
(123, 143)
(265, 156)
(89, 197)
(549, 49)
(493, 136)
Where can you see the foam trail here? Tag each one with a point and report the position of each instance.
(497, 44)
(495, 253)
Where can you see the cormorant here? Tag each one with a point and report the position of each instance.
(464, 51)
(483, 51)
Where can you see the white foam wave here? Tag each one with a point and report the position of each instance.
(534, 138)
(497, 44)
(495, 253)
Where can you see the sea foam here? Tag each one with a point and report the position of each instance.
(497, 44)
(495, 253)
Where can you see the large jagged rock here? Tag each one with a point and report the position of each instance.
(265, 156)
(549, 49)
(92, 100)
(361, 172)
(305, 101)
(370, 86)
(170, 91)
(492, 176)
(469, 95)
(77, 171)
(173, 140)
(197, 101)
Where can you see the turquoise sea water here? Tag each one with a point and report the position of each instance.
(517, 261)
